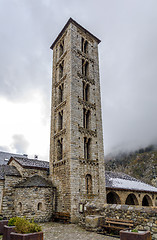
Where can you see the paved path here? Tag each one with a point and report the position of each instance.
(60, 231)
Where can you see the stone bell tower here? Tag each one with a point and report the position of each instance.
(76, 143)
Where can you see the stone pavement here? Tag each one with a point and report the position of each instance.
(61, 231)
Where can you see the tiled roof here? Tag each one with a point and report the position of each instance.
(6, 170)
(31, 163)
(35, 181)
(123, 181)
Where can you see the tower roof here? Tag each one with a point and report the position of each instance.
(77, 25)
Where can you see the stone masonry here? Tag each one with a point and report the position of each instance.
(27, 190)
(144, 218)
(76, 144)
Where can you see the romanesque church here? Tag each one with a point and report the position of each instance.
(75, 174)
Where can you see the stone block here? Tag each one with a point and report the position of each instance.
(93, 221)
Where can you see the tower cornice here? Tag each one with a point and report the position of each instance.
(77, 25)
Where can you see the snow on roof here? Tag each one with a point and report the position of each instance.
(32, 163)
(124, 181)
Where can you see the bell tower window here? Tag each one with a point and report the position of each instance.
(61, 68)
(85, 91)
(60, 148)
(61, 48)
(85, 67)
(61, 87)
(84, 45)
(60, 120)
(86, 118)
(89, 184)
(87, 146)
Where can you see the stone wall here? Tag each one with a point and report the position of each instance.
(8, 210)
(1, 193)
(34, 203)
(144, 218)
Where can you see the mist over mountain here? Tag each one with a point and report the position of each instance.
(141, 164)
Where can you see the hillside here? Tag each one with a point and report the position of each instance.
(140, 164)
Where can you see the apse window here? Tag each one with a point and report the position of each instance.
(20, 206)
(39, 207)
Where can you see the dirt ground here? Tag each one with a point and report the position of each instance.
(61, 231)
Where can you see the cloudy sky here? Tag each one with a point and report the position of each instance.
(128, 70)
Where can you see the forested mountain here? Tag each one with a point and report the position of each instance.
(141, 164)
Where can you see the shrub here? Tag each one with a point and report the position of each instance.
(34, 227)
(1, 218)
(134, 230)
(12, 221)
(22, 225)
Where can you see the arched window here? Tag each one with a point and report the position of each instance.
(87, 148)
(39, 207)
(86, 118)
(61, 69)
(89, 184)
(60, 93)
(86, 91)
(60, 120)
(61, 48)
(20, 206)
(84, 45)
(113, 198)
(60, 148)
(147, 201)
(131, 200)
(85, 68)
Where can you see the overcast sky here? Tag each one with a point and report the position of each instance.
(128, 70)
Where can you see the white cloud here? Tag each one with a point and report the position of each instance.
(128, 57)
(26, 120)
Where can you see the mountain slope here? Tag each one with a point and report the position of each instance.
(142, 166)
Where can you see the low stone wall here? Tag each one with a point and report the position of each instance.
(144, 218)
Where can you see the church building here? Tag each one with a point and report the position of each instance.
(75, 174)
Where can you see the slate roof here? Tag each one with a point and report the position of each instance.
(5, 156)
(114, 180)
(6, 170)
(35, 181)
(123, 181)
(31, 163)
